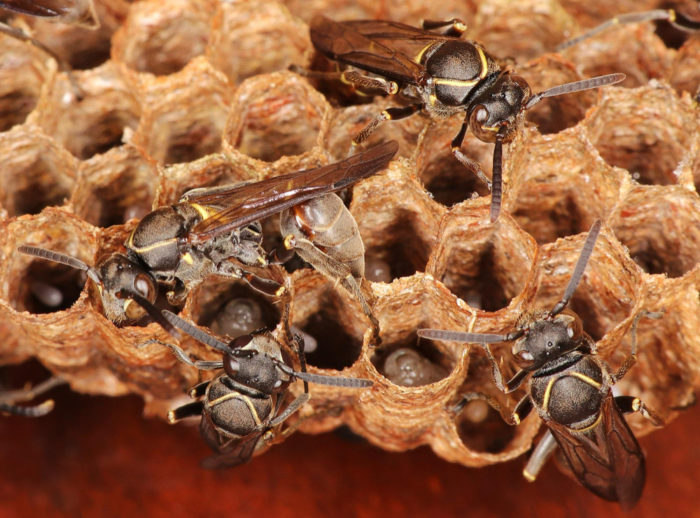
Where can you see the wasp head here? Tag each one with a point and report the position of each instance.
(498, 106)
(546, 339)
(119, 278)
(251, 367)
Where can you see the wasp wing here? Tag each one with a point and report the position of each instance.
(237, 452)
(607, 458)
(32, 7)
(243, 204)
(374, 46)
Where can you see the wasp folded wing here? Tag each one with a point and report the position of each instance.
(243, 204)
(357, 43)
(32, 7)
(237, 452)
(607, 458)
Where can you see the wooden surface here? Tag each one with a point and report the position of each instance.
(96, 456)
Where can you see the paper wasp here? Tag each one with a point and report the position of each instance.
(440, 74)
(176, 247)
(243, 409)
(571, 388)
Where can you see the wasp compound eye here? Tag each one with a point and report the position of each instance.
(481, 114)
(240, 342)
(145, 286)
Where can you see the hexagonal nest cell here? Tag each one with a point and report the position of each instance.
(180, 94)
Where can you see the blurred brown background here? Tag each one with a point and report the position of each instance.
(97, 456)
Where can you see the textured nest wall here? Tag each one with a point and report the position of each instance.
(189, 93)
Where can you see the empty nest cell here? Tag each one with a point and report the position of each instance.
(275, 115)
(115, 187)
(97, 122)
(162, 39)
(330, 321)
(557, 113)
(36, 172)
(82, 38)
(443, 176)
(645, 131)
(555, 193)
(21, 77)
(669, 245)
(184, 114)
(520, 31)
(485, 265)
(632, 49)
(248, 39)
(40, 286)
(398, 231)
(608, 292)
(481, 427)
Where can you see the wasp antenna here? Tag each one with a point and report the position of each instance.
(497, 176)
(194, 332)
(333, 381)
(576, 86)
(578, 269)
(458, 336)
(60, 258)
(672, 16)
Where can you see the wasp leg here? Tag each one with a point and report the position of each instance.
(299, 346)
(199, 390)
(455, 26)
(291, 408)
(386, 115)
(467, 162)
(630, 405)
(193, 409)
(260, 284)
(675, 18)
(7, 399)
(183, 357)
(336, 270)
(522, 409)
(540, 456)
(279, 255)
(632, 358)
(352, 78)
(62, 65)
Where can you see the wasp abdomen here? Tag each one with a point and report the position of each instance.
(236, 413)
(327, 223)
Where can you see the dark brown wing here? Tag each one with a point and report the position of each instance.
(246, 203)
(47, 8)
(237, 452)
(606, 459)
(370, 45)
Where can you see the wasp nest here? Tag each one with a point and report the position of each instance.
(179, 94)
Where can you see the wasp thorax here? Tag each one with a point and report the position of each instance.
(456, 68)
